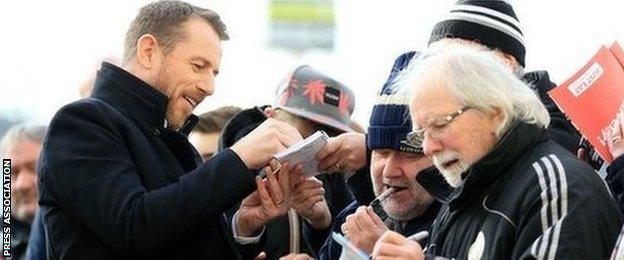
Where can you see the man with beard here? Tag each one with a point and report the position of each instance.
(482, 25)
(518, 195)
(394, 164)
(118, 177)
(493, 25)
(22, 144)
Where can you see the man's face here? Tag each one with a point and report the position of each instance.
(24, 157)
(205, 143)
(460, 143)
(391, 168)
(187, 72)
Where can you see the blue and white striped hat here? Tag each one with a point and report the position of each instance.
(390, 121)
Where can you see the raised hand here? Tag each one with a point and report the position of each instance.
(393, 245)
(363, 228)
(266, 203)
(258, 147)
(343, 153)
(308, 199)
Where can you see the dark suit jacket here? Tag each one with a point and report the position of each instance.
(114, 183)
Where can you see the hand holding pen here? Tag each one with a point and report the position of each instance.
(364, 227)
(393, 245)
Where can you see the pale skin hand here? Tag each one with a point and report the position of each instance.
(308, 200)
(616, 140)
(363, 228)
(343, 153)
(393, 245)
(258, 147)
(614, 137)
(296, 257)
(262, 206)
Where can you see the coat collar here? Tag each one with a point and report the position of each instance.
(135, 98)
(483, 174)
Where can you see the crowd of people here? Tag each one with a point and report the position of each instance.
(465, 157)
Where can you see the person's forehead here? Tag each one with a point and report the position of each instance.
(24, 150)
(201, 39)
(432, 98)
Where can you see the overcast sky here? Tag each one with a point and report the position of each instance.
(49, 47)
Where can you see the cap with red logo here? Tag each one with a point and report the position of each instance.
(315, 96)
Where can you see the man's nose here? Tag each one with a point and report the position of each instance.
(207, 86)
(392, 168)
(25, 180)
(431, 146)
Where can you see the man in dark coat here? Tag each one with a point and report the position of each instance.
(493, 25)
(119, 178)
(469, 24)
(518, 194)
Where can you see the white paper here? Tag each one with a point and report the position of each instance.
(304, 152)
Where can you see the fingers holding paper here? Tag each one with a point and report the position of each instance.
(343, 153)
(613, 135)
(267, 202)
(308, 200)
(258, 147)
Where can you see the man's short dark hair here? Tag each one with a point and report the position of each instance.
(214, 121)
(162, 19)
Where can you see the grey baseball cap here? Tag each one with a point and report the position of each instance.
(313, 95)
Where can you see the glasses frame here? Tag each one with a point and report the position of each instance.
(417, 136)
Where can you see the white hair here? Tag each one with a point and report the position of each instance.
(480, 80)
(19, 133)
(451, 43)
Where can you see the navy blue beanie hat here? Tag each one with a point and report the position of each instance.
(390, 121)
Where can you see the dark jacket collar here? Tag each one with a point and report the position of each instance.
(134, 97)
(540, 82)
(512, 146)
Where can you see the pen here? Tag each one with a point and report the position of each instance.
(382, 197)
(418, 236)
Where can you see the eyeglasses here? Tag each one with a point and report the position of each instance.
(435, 129)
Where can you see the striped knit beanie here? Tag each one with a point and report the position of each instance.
(490, 22)
(390, 121)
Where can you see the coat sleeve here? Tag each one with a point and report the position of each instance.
(570, 214)
(90, 175)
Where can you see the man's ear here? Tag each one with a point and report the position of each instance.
(497, 115)
(510, 61)
(148, 51)
(270, 112)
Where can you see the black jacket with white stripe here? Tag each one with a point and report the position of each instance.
(528, 198)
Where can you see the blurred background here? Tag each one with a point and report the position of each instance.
(48, 48)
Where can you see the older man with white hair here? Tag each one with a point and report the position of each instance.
(518, 194)
(22, 145)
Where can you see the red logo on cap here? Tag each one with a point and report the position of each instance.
(343, 106)
(315, 90)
